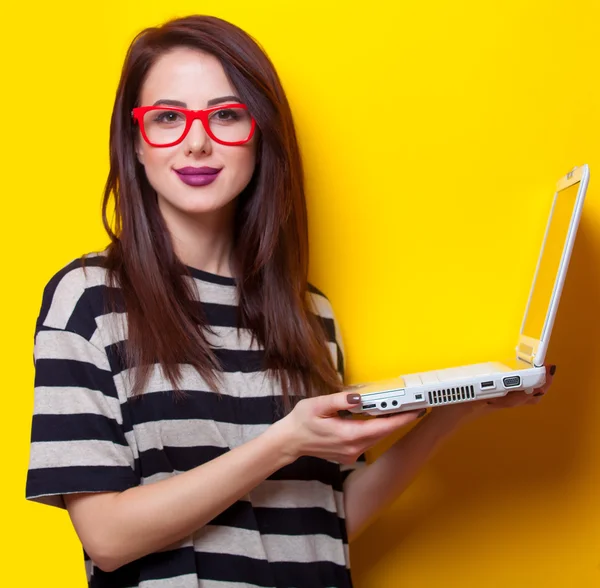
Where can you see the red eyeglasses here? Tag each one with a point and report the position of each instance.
(165, 126)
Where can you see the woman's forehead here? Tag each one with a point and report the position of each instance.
(186, 75)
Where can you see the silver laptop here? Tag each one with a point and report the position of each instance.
(524, 371)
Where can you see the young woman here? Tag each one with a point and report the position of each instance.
(188, 378)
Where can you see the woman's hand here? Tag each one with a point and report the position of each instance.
(468, 411)
(315, 428)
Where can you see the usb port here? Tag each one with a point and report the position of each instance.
(488, 384)
(367, 406)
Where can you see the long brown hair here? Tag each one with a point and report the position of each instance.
(165, 326)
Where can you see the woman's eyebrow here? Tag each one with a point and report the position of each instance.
(166, 102)
(214, 101)
(211, 102)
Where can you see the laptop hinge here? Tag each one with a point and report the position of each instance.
(524, 357)
(527, 349)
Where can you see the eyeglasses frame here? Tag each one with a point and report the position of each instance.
(202, 115)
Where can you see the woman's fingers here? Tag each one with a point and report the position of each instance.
(550, 371)
(331, 404)
(512, 399)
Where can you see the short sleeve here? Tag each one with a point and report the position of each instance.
(78, 443)
(324, 311)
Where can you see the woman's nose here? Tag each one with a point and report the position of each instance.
(197, 139)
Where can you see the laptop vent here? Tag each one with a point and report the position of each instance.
(449, 395)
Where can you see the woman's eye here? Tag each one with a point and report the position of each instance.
(226, 114)
(167, 117)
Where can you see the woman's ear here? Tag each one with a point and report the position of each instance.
(139, 152)
(140, 155)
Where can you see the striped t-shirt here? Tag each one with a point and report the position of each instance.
(90, 435)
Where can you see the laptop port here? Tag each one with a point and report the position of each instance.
(512, 381)
(488, 384)
(367, 406)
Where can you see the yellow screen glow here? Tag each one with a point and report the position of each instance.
(548, 268)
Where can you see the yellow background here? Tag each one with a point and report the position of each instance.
(433, 134)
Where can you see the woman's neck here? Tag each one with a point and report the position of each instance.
(203, 241)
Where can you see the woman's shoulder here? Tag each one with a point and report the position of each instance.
(88, 269)
(320, 302)
(74, 292)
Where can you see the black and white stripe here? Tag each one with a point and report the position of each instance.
(89, 435)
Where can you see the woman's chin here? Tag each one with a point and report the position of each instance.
(199, 206)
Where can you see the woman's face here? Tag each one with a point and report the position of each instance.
(195, 80)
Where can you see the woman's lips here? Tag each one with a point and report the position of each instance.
(200, 177)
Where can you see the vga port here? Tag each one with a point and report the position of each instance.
(512, 381)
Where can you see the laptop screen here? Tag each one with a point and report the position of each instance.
(547, 271)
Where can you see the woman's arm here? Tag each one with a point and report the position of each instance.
(116, 528)
(368, 491)
(371, 489)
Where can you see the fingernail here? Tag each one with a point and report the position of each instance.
(539, 394)
(353, 398)
(422, 413)
(552, 370)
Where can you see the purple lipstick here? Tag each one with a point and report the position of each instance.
(197, 176)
